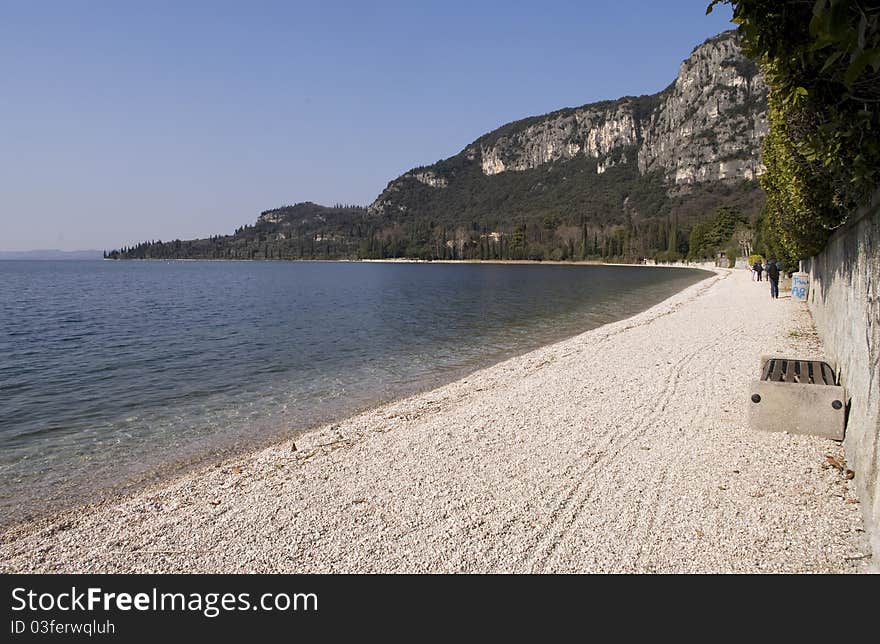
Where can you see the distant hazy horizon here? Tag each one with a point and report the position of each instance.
(51, 254)
(128, 122)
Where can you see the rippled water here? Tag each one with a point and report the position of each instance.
(111, 370)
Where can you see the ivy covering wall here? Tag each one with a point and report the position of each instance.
(821, 61)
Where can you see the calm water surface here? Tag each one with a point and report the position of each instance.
(115, 372)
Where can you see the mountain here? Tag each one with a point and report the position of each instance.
(622, 179)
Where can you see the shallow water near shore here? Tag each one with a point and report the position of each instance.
(112, 372)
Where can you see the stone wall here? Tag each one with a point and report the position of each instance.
(845, 301)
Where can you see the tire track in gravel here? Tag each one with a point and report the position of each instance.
(596, 452)
(647, 517)
(652, 511)
(575, 500)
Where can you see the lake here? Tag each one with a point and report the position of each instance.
(115, 373)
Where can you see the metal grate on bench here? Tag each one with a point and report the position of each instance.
(805, 372)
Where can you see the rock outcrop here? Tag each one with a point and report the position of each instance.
(707, 126)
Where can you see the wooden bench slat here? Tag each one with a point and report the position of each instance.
(776, 376)
(812, 372)
(827, 374)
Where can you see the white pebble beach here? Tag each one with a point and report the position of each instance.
(623, 449)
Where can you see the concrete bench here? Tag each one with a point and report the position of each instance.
(797, 396)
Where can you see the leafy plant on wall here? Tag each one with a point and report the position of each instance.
(821, 61)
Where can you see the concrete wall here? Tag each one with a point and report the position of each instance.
(845, 301)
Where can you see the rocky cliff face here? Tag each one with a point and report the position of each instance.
(707, 126)
(595, 132)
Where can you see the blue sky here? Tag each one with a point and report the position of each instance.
(125, 121)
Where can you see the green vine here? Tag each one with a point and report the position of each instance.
(821, 61)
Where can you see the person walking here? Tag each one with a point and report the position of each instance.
(758, 270)
(773, 276)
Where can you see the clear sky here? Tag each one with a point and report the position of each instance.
(125, 121)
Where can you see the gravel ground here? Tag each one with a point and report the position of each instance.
(624, 449)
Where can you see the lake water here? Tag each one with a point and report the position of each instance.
(114, 373)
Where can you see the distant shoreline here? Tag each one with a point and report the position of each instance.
(708, 266)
